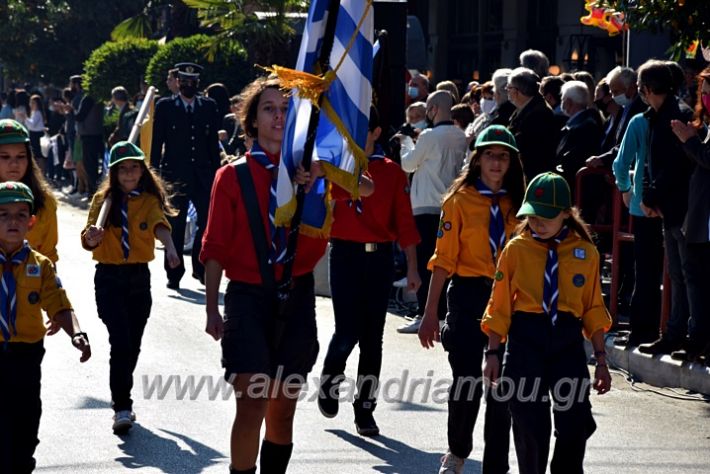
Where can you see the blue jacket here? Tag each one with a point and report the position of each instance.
(633, 151)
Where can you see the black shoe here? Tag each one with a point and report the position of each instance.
(200, 278)
(661, 346)
(692, 353)
(173, 284)
(364, 421)
(328, 395)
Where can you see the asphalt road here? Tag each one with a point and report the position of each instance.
(184, 430)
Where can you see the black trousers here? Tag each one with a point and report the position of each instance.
(465, 343)
(201, 200)
(648, 272)
(20, 369)
(698, 281)
(360, 284)
(543, 361)
(92, 154)
(427, 226)
(123, 302)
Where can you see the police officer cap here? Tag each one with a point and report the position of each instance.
(188, 70)
(12, 191)
(12, 131)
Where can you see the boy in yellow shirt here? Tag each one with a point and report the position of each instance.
(29, 285)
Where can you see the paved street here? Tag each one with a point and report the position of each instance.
(639, 432)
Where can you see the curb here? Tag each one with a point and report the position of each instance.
(660, 370)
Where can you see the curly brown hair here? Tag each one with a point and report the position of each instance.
(250, 96)
(701, 115)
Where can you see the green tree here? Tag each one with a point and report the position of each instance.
(229, 66)
(49, 40)
(118, 63)
(687, 20)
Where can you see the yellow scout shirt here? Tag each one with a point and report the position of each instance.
(518, 284)
(144, 215)
(43, 236)
(37, 288)
(462, 245)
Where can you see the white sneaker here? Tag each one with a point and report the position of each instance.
(401, 283)
(123, 421)
(412, 327)
(451, 464)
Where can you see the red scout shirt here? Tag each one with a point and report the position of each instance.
(386, 214)
(227, 238)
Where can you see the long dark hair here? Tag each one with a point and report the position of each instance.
(150, 182)
(574, 222)
(513, 181)
(35, 181)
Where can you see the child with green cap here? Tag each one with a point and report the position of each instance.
(478, 217)
(17, 164)
(123, 246)
(29, 285)
(546, 297)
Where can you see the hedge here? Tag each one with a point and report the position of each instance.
(121, 63)
(230, 65)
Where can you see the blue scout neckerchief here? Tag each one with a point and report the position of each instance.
(8, 308)
(125, 244)
(377, 154)
(496, 226)
(551, 290)
(278, 234)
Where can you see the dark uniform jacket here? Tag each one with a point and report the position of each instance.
(501, 115)
(191, 145)
(667, 171)
(534, 128)
(579, 139)
(697, 222)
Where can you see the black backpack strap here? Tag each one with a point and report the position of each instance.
(256, 224)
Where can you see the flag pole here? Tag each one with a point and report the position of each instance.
(324, 64)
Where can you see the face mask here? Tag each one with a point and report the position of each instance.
(706, 102)
(430, 120)
(413, 92)
(487, 106)
(188, 90)
(421, 125)
(622, 100)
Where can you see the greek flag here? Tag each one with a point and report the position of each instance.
(345, 111)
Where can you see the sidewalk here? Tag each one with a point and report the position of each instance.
(660, 371)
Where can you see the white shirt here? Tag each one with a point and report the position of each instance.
(436, 159)
(35, 123)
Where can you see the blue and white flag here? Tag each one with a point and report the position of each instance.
(345, 111)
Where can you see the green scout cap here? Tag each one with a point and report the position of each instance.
(12, 131)
(13, 191)
(496, 135)
(547, 195)
(122, 151)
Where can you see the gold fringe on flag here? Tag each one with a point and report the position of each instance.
(308, 86)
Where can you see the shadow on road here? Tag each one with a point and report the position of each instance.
(409, 406)
(398, 456)
(144, 448)
(91, 403)
(194, 297)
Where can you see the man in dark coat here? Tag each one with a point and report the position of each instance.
(185, 149)
(581, 136)
(532, 123)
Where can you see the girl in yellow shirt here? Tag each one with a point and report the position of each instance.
(17, 164)
(546, 296)
(477, 219)
(123, 246)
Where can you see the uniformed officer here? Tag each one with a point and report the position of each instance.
(185, 149)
